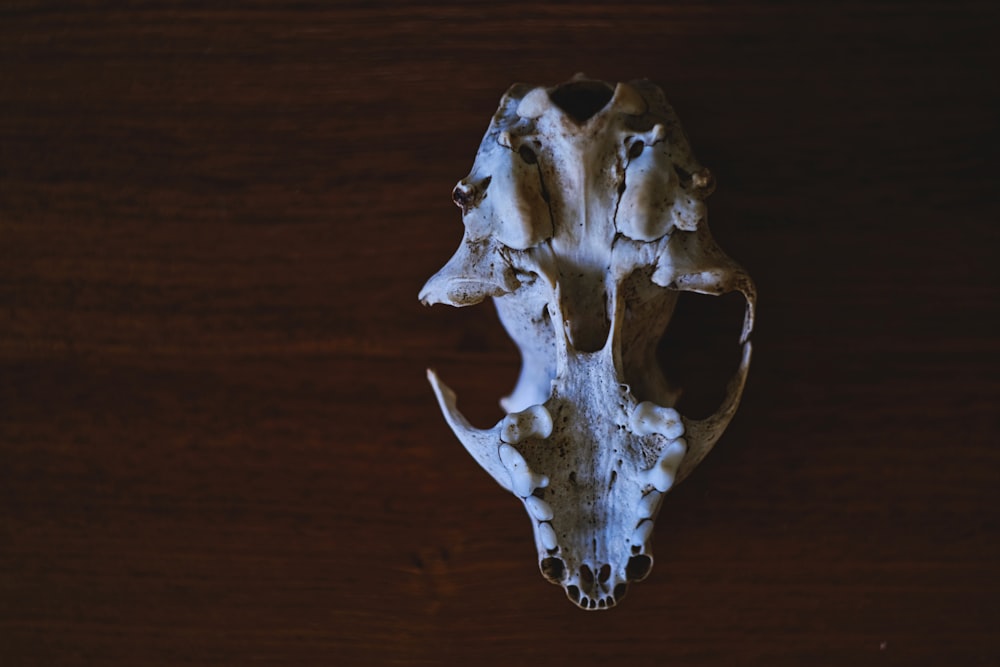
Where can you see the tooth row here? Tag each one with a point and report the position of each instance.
(533, 422)
(649, 418)
(523, 481)
(542, 512)
(662, 475)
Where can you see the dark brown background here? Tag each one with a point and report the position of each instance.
(217, 445)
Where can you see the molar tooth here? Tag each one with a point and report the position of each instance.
(649, 418)
(533, 422)
(523, 480)
(642, 533)
(648, 503)
(662, 475)
(538, 508)
(548, 535)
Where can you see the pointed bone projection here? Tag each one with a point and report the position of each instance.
(584, 218)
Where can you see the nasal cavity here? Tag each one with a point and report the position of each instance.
(582, 99)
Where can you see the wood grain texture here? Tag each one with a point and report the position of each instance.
(217, 445)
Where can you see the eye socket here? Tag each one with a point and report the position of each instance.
(527, 154)
(636, 149)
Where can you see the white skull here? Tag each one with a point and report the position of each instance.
(584, 217)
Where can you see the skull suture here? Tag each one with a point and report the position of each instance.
(584, 217)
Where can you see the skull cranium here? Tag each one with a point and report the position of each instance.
(584, 218)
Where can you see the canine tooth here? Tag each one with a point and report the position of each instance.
(539, 508)
(649, 418)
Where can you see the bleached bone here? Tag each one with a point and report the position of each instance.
(584, 217)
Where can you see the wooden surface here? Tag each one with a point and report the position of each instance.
(217, 444)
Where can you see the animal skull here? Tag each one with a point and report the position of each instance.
(584, 217)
